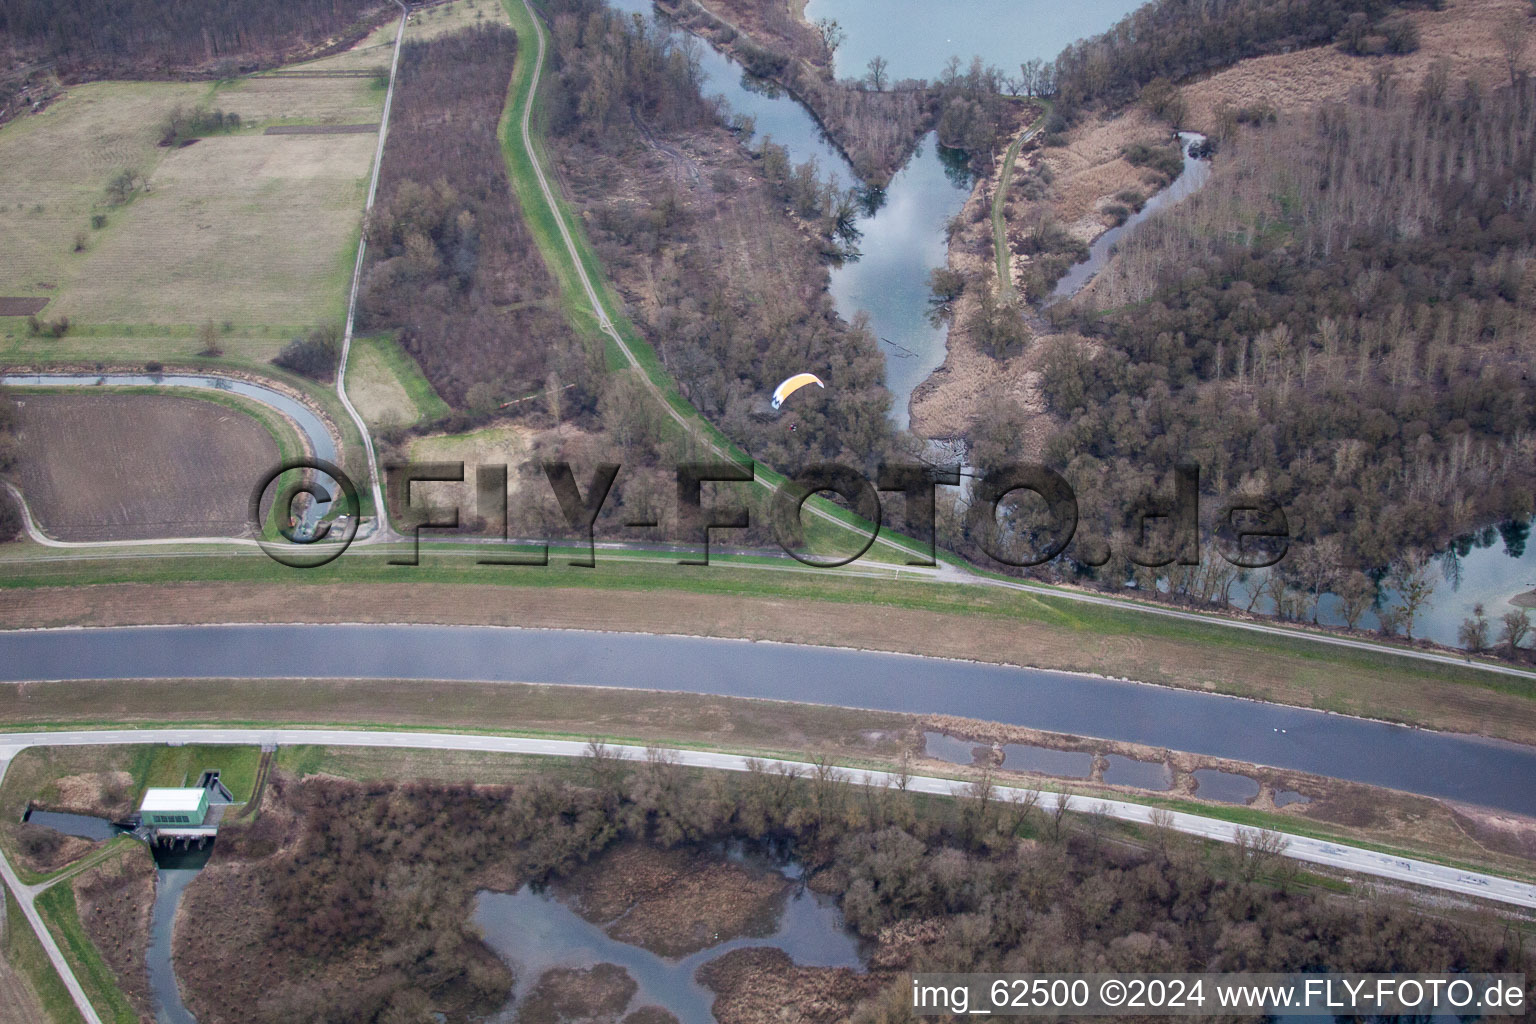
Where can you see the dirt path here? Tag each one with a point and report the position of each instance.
(1000, 209)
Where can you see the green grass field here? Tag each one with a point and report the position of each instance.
(254, 233)
(388, 387)
(24, 953)
(177, 767)
(57, 908)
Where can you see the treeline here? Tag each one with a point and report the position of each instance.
(365, 889)
(10, 454)
(451, 265)
(728, 289)
(1340, 320)
(124, 37)
(1175, 39)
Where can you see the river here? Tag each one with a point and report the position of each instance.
(916, 37)
(174, 871)
(903, 229)
(1465, 768)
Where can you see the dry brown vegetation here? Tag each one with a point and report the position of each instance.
(451, 265)
(155, 38)
(350, 901)
(572, 995)
(674, 902)
(1468, 36)
(115, 899)
(112, 466)
(761, 986)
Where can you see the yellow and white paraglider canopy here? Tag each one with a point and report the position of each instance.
(794, 384)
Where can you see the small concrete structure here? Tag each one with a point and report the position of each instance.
(171, 817)
(174, 807)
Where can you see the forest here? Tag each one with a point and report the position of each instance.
(1340, 320)
(146, 37)
(729, 290)
(1176, 39)
(355, 897)
(451, 266)
(10, 513)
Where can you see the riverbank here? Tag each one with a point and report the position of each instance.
(875, 129)
(860, 739)
(1059, 200)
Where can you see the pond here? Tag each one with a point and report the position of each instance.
(535, 932)
(1226, 787)
(85, 826)
(1488, 568)
(916, 37)
(1127, 771)
(944, 747)
(1024, 757)
(903, 226)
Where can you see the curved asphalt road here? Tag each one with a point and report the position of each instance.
(1349, 858)
(1464, 768)
(1303, 848)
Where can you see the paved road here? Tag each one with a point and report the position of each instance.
(1456, 767)
(26, 896)
(379, 508)
(1335, 855)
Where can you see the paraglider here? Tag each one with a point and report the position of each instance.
(793, 384)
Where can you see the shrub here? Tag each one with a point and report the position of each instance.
(1402, 35)
(98, 221)
(48, 328)
(1165, 160)
(314, 356)
(122, 187)
(10, 516)
(209, 336)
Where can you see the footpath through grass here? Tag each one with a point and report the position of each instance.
(26, 956)
(57, 908)
(1000, 209)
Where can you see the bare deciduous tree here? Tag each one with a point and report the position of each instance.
(877, 72)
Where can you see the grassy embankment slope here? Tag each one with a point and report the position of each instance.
(827, 527)
(34, 987)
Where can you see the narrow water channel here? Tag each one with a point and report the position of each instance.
(1196, 173)
(174, 871)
